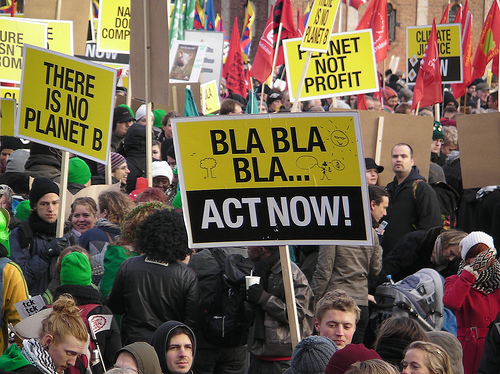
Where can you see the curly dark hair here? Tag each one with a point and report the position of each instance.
(162, 236)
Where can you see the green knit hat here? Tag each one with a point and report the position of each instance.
(76, 270)
(437, 132)
(78, 171)
(158, 114)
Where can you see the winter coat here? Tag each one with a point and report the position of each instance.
(109, 340)
(37, 271)
(113, 258)
(149, 293)
(347, 268)
(474, 310)
(410, 209)
(14, 290)
(13, 361)
(277, 339)
(490, 360)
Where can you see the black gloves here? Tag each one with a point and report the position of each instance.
(53, 248)
(254, 293)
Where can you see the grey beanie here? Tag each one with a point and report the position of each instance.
(311, 355)
(452, 346)
(16, 161)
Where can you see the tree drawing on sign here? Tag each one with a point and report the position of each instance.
(208, 164)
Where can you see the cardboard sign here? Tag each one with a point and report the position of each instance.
(347, 68)
(210, 97)
(479, 140)
(66, 103)
(59, 35)
(273, 180)
(450, 51)
(186, 59)
(30, 306)
(69, 10)
(113, 31)
(111, 59)
(212, 63)
(9, 92)
(15, 33)
(7, 116)
(319, 26)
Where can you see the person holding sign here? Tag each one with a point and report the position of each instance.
(270, 341)
(34, 245)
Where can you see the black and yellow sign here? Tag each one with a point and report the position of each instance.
(66, 103)
(319, 26)
(273, 179)
(450, 51)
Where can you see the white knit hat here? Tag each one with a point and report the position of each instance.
(141, 112)
(475, 237)
(162, 169)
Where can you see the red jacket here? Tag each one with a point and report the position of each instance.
(474, 310)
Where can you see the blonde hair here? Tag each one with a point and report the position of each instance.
(436, 360)
(64, 320)
(337, 300)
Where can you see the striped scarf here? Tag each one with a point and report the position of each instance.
(38, 357)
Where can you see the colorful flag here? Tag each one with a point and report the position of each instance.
(355, 3)
(199, 17)
(210, 16)
(219, 26)
(263, 60)
(189, 14)
(253, 105)
(177, 23)
(246, 38)
(361, 102)
(9, 8)
(444, 18)
(282, 15)
(234, 67)
(465, 11)
(190, 109)
(307, 13)
(459, 89)
(487, 48)
(428, 90)
(375, 18)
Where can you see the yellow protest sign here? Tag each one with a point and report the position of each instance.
(291, 178)
(9, 92)
(66, 103)
(450, 51)
(113, 30)
(7, 111)
(210, 97)
(14, 33)
(347, 68)
(319, 25)
(59, 35)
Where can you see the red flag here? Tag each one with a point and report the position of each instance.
(375, 18)
(355, 3)
(283, 14)
(263, 61)
(465, 12)
(460, 88)
(234, 68)
(488, 41)
(300, 25)
(458, 17)
(444, 18)
(428, 89)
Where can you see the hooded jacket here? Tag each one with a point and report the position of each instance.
(145, 356)
(162, 337)
(412, 206)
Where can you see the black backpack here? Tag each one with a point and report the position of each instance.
(223, 307)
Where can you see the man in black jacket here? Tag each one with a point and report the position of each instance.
(413, 204)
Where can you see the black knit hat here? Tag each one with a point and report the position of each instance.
(41, 187)
(10, 142)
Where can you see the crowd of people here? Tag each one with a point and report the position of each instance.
(124, 293)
